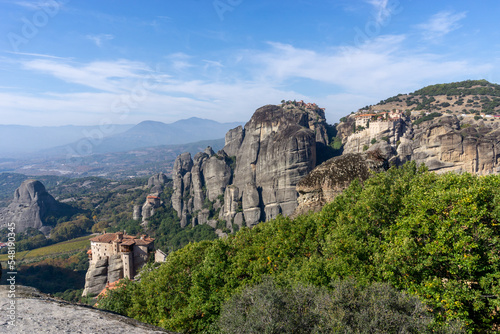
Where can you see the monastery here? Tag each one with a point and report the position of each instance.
(134, 251)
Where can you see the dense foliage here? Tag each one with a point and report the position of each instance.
(433, 236)
(345, 308)
(54, 274)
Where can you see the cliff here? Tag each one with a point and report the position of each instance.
(30, 207)
(432, 126)
(253, 178)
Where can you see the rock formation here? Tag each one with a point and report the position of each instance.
(31, 205)
(444, 143)
(329, 179)
(96, 277)
(253, 178)
(448, 127)
(156, 183)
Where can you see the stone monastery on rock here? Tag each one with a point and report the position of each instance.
(113, 256)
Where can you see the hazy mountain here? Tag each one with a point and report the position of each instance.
(17, 140)
(151, 133)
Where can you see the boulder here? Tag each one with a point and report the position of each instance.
(330, 178)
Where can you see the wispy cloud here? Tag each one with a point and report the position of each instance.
(381, 9)
(348, 77)
(110, 76)
(100, 39)
(377, 68)
(441, 24)
(51, 6)
(38, 55)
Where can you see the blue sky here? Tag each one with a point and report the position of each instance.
(97, 62)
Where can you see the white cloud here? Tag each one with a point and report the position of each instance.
(39, 55)
(100, 39)
(441, 24)
(111, 76)
(378, 66)
(347, 79)
(381, 9)
(34, 4)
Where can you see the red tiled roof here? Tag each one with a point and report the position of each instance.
(109, 286)
(152, 196)
(127, 239)
(128, 242)
(106, 238)
(144, 242)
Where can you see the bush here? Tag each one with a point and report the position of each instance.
(427, 118)
(268, 308)
(348, 308)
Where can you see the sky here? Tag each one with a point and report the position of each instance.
(122, 62)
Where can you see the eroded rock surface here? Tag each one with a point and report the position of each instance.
(330, 178)
(253, 178)
(39, 313)
(29, 208)
(443, 144)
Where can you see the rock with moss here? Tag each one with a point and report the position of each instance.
(330, 178)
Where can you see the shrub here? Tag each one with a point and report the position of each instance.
(348, 308)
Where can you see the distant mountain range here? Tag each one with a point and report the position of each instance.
(16, 141)
(151, 133)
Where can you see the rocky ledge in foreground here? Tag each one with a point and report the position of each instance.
(38, 313)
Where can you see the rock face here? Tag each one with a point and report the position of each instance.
(330, 178)
(96, 277)
(253, 178)
(29, 208)
(156, 183)
(443, 144)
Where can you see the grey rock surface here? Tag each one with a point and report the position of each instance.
(443, 144)
(38, 313)
(29, 208)
(115, 268)
(96, 278)
(157, 182)
(257, 170)
(330, 178)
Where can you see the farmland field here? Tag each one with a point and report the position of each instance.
(65, 247)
